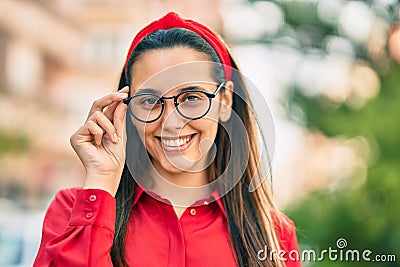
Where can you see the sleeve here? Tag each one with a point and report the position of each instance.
(289, 243)
(78, 229)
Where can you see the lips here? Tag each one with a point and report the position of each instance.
(175, 143)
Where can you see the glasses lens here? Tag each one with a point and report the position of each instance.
(193, 104)
(146, 107)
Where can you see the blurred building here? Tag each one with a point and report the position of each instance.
(56, 58)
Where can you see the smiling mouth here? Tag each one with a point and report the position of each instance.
(175, 144)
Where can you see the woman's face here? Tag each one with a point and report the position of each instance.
(177, 144)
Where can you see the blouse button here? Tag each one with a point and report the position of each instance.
(92, 198)
(89, 215)
(193, 211)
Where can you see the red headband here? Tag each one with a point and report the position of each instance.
(172, 20)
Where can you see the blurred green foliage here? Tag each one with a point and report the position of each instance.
(12, 144)
(368, 215)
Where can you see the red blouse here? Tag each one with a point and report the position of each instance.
(78, 230)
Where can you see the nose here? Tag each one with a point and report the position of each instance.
(171, 119)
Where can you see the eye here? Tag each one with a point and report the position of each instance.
(151, 101)
(192, 97)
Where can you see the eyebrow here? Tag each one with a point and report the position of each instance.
(147, 90)
(157, 92)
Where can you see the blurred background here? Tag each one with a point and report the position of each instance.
(329, 69)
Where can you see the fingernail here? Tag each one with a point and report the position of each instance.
(115, 138)
(122, 94)
(123, 88)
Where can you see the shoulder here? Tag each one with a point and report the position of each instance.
(283, 223)
(285, 229)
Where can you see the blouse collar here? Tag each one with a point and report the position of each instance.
(214, 196)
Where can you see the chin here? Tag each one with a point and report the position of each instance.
(178, 164)
(171, 169)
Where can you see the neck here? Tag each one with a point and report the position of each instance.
(181, 189)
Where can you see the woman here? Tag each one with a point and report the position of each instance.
(152, 205)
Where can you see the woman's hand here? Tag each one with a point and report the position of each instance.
(99, 142)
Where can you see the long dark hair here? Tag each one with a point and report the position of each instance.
(251, 224)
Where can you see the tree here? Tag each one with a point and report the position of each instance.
(366, 216)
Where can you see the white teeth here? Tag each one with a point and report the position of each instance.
(176, 142)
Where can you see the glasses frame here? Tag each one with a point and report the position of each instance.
(175, 98)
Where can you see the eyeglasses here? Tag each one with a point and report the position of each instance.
(191, 104)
